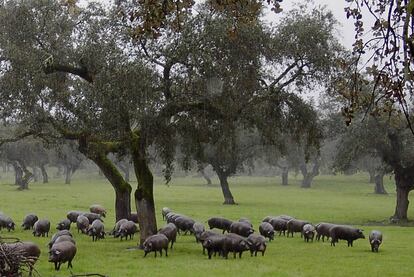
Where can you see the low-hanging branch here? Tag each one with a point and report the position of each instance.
(80, 71)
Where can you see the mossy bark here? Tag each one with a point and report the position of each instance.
(144, 194)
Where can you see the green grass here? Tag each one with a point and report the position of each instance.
(339, 199)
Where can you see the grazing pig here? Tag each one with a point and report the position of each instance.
(98, 209)
(308, 232)
(61, 253)
(6, 222)
(285, 217)
(247, 221)
(156, 243)
(57, 235)
(92, 217)
(198, 229)
(28, 221)
(127, 229)
(344, 232)
(213, 243)
(64, 225)
(118, 224)
(241, 228)
(204, 236)
(295, 226)
(170, 231)
(266, 229)
(257, 243)
(164, 212)
(73, 215)
(82, 223)
(220, 223)
(133, 217)
(322, 230)
(268, 218)
(29, 250)
(64, 238)
(236, 244)
(375, 239)
(279, 225)
(171, 217)
(184, 224)
(41, 228)
(96, 230)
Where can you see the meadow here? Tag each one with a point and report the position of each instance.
(338, 199)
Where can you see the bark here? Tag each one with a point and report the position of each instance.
(228, 196)
(144, 195)
(18, 173)
(308, 176)
(402, 204)
(205, 176)
(44, 174)
(23, 175)
(379, 184)
(285, 176)
(68, 174)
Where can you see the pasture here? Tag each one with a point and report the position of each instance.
(338, 199)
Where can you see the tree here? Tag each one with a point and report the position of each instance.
(388, 45)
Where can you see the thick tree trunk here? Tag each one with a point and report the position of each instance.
(308, 176)
(205, 176)
(144, 194)
(401, 207)
(285, 176)
(379, 184)
(23, 175)
(68, 174)
(44, 174)
(18, 173)
(228, 196)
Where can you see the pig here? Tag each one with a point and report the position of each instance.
(247, 221)
(266, 230)
(41, 228)
(220, 223)
(171, 217)
(98, 209)
(61, 253)
(58, 234)
(268, 218)
(156, 243)
(170, 231)
(375, 239)
(308, 232)
(29, 250)
(133, 217)
(64, 225)
(184, 224)
(241, 228)
(236, 244)
(279, 225)
(28, 221)
(127, 229)
(257, 243)
(82, 223)
(118, 224)
(92, 217)
(344, 232)
(295, 226)
(198, 229)
(6, 222)
(322, 230)
(96, 230)
(164, 212)
(213, 243)
(204, 236)
(73, 215)
(64, 238)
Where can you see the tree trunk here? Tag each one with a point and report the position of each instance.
(205, 176)
(371, 176)
(308, 176)
(125, 169)
(285, 176)
(18, 173)
(26, 175)
(68, 174)
(228, 197)
(144, 194)
(44, 174)
(402, 204)
(379, 184)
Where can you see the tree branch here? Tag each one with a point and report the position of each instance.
(78, 71)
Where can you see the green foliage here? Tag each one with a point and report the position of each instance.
(330, 199)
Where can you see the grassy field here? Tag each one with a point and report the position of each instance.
(338, 199)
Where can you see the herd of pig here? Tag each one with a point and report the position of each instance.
(240, 235)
